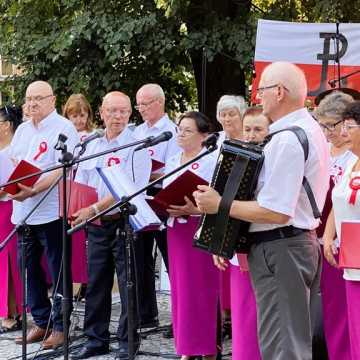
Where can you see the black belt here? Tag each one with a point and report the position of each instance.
(275, 234)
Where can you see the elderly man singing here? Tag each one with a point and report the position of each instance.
(284, 259)
(34, 142)
(106, 251)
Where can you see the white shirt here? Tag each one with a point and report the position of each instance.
(165, 150)
(204, 168)
(87, 173)
(343, 210)
(6, 168)
(338, 165)
(279, 185)
(36, 145)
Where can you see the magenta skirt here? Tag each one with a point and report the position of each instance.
(225, 300)
(333, 295)
(353, 310)
(9, 270)
(195, 287)
(79, 258)
(245, 344)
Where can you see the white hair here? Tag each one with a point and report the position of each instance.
(290, 76)
(155, 89)
(231, 101)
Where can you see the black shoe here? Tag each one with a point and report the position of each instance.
(88, 351)
(123, 351)
(151, 323)
(168, 332)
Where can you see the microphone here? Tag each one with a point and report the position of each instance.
(98, 134)
(60, 145)
(165, 136)
(211, 140)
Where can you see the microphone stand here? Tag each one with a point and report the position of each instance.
(67, 161)
(127, 209)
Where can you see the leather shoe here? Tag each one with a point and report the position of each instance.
(123, 352)
(168, 332)
(55, 340)
(88, 351)
(35, 334)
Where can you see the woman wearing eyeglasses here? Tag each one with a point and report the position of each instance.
(194, 279)
(10, 279)
(346, 207)
(329, 115)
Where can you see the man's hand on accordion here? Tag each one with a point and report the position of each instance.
(207, 199)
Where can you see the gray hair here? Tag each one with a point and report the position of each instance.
(333, 105)
(155, 89)
(231, 101)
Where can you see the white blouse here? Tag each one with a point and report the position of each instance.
(344, 211)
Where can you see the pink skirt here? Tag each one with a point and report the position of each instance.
(245, 344)
(10, 271)
(195, 287)
(79, 258)
(353, 302)
(333, 295)
(225, 300)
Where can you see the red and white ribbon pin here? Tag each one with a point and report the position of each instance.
(113, 161)
(195, 166)
(41, 150)
(354, 186)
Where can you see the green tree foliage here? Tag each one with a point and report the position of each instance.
(94, 46)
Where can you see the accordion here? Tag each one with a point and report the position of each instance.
(235, 178)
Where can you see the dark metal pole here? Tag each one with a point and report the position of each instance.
(66, 270)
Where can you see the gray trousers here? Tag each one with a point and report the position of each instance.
(286, 278)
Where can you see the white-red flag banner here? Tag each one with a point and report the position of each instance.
(313, 47)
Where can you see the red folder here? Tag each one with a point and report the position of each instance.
(349, 257)
(156, 165)
(80, 196)
(22, 169)
(182, 186)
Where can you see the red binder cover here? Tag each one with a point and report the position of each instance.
(349, 256)
(22, 169)
(182, 186)
(156, 165)
(81, 196)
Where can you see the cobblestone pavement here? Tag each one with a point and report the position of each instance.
(153, 345)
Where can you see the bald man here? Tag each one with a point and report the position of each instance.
(284, 260)
(34, 141)
(105, 243)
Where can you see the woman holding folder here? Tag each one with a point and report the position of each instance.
(10, 279)
(193, 278)
(346, 208)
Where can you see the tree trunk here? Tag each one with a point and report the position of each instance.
(222, 75)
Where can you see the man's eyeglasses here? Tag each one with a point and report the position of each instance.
(260, 90)
(348, 126)
(37, 98)
(330, 127)
(144, 105)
